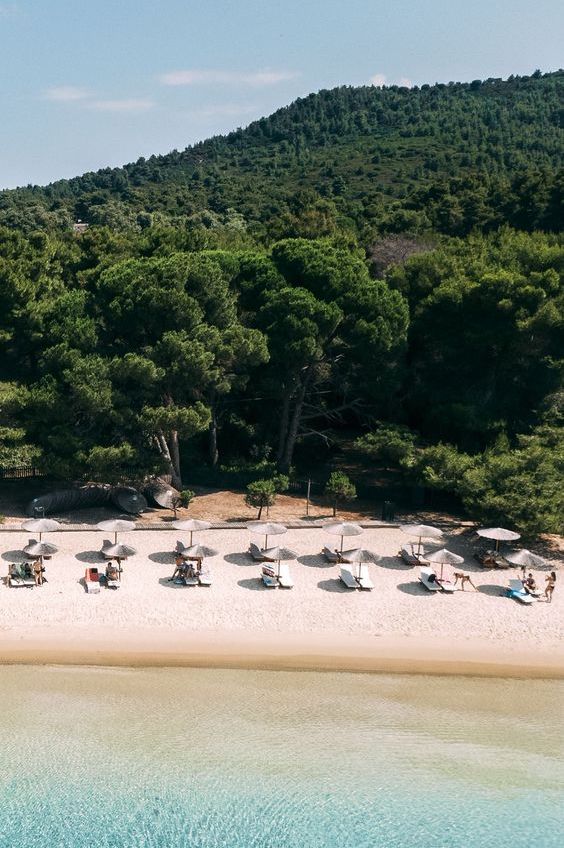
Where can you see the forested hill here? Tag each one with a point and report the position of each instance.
(447, 158)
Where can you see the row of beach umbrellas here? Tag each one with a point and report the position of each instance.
(339, 528)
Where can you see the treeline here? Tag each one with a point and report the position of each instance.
(442, 158)
(127, 354)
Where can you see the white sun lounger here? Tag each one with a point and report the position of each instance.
(284, 577)
(269, 577)
(446, 584)
(515, 590)
(333, 556)
(363, 577)
(349, 579)
(429, 579)
(205, 577)
(257, 554)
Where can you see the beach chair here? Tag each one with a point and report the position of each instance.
(113, 581)
(257, 554)
(92, 581)
(446, 584)
(105, 545)
(429, 579)
(269, 577)
(204, 576)
(284, 576)
(333, 556)
(516, 591)
(492, 559)
(409, 556)
(363, 578)
(20, 574)
(348, 578)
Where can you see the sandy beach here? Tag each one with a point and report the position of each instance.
(238, 622)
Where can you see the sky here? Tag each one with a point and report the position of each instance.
(86, 84)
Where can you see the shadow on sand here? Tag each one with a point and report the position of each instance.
(315, 561)
(491, 589)
(162, 557)
(334, 585)
(416, 588)
(90, 556)
(242, 558)
(255, 584)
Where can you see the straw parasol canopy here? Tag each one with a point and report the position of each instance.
(421, 531)
(41, 525)
(199, 552)
(499, 534)
(119, 551)
(115, 526)
(526, 559)
(361, 555)
(40, 549)
(268, 528)
(342, 529)
(278, 554)
(444, 557)
(191, 525)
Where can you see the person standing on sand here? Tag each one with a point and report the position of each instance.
(37, 569)
(550, 584)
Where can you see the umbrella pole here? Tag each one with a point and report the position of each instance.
(266, 543)
(497, 546)
(442, 566)
(342, 538)
(278, 570)
(191, 532)
(115, 537)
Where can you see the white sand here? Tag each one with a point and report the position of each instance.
(238, 610)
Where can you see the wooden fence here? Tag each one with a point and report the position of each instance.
(19, 472)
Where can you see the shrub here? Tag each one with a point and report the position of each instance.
(339, 488)
(186, 495)
(261, 494)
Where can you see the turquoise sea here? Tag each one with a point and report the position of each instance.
(240, 759)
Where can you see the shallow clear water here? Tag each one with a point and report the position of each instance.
(241, 759)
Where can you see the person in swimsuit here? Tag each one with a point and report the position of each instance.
(550, 584)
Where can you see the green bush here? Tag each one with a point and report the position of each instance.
(339, 488)
(261, 494)
(186, 495)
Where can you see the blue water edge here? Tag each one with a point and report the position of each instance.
(202, 759)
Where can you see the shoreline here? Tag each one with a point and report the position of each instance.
(154, 648)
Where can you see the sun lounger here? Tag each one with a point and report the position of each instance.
(20, 575)
(92, 581)
(363, 578)
(257, 554)
(446, 584)
(492, 559)
(284, 576)
(105, 545)
(333, 556)
(348, 578)
(205, 577)
(269, 577)
(516, 591)
(429, 579)
(409, 556)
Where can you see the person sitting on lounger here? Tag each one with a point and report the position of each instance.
(529, 585)
(179, 568)
(112, 572)
(464, 579)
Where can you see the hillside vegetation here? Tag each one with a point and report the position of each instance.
(382, 265)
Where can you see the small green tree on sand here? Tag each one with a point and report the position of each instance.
(262, 493)
(339, 488)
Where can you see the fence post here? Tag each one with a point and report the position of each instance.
(308, 496)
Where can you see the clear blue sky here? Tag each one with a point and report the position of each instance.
(90, 83)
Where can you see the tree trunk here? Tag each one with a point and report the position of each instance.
(212, 444)
(283, 428)
(259, 513)
(288, 454)
(174, 452)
